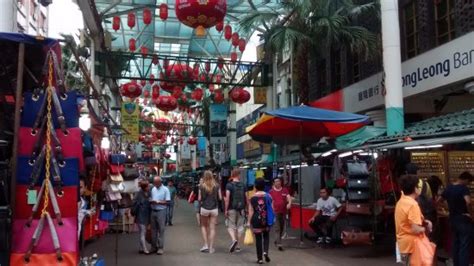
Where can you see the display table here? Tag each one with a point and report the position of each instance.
(295, 216)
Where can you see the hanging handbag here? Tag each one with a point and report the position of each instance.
(116, 168)
(22, 235)
(130, 173)
(357, 169)
(358, 183)
(131, 186)
(68, 259)
(270, 213)
(116, 178)
(115, 187)
(117, 158)
(356, 237)
(359, 194)
(423, 251)
(87, 145)
(67, 202)
(358, 208)
(341, 182)
(131, 157)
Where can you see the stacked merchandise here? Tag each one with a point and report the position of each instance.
(45, 228)
(358, 205)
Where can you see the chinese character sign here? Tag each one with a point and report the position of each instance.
(130, 121)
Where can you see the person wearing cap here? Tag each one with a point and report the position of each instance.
(281, 205)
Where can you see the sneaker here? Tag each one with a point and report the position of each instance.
(212, 251)
(320, 240)
(160, 252)
(267, 258)
(328, 240)
(237, 249)
(204, 249)
(233, 246)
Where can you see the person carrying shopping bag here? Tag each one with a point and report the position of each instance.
(261, 219)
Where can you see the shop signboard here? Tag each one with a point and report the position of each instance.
(260, 95)
(442, 66)
(130, 121)
(186, 150)
(218, 119)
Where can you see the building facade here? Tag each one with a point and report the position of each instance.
(24, 16)
(437, 67)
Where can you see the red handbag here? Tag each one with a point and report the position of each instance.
(23, 234)
(71, 144)
(341, 182)
(67, 203)
(116, 168)
(69, 259)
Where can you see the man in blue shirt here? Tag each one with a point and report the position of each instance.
(160, 198)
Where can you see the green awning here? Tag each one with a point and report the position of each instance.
(358, 137)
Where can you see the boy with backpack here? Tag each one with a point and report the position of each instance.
(235, 203)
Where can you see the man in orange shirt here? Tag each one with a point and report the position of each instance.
(408, 218)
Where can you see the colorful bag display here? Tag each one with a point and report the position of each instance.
(117, 159)
(116, 169)
(130, 173)
(69, 172)
(22, 235)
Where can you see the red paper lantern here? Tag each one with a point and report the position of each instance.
(132, 45)
(220, 26)
(155, 92)
(181, 141)
(164, 11)
(200, 14)
(177, 92)
(197, 94)
(211, 87)
(162, 124)
(218, 96)
(220, 62)
(166, 103)
(144, 50)
(242, 44)
(116, 23)
(143, 83)
(233, 57)
(192, 141)
(235, 39)
(146, 16)
(208, 67)
(239, 95)
(131, 20)
(176, 72)
(152, 79)
(228, 32)
(167, 155)
(131, 90)
(146, 94)
(155, 60)
(218, 78)
(196, 70)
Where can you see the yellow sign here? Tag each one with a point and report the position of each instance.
(260, 95)
(130, 121)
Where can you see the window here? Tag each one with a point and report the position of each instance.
(411, 31)
(444, 15)
(355, 67)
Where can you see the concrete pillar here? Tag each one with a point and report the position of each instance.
(392, 66)
(8, 12)
(233, 133)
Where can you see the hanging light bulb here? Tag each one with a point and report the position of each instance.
(85, 120)
(105, 143)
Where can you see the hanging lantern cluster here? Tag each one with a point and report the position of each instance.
(166, 103)
(177, 92)
(155, 93)
(175, 72)
(200, 14)
(131, 90)
(239, 95)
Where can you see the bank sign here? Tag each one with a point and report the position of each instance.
(436, 68)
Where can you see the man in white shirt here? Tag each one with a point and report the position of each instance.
(328, 209)
(160, 198)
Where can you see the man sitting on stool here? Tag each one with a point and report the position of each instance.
(328, 209)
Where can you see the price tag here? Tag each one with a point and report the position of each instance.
(32, 196)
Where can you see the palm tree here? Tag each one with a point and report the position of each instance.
(314, 27)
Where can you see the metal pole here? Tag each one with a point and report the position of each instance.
(300, 187)
(18, 102)
(392, 66)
